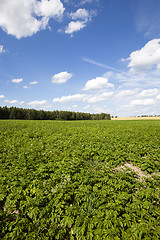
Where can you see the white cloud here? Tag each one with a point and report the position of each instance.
(2, 50)
(74, 106)
(138, 91)
(70, 108)
(100, 97)
(14, 101)
(87, 107)
(158, 97)
(147, 57)
(74, 27)
(100, 109)
(130, 79)
(47, 106)
(33, 83)
(96, 108)
(148, 92)
(85, 1)
(22, 18)
(11, 101)
(17, 80)
(84, 98)
(61, 77)
(25, 87)
(81, 13)
(81, 17)
(51, 8)
(143, 102)
(127, 93)
(70, 98)
(37, 103)
(123, 59)
(1, 96)
(97, 84)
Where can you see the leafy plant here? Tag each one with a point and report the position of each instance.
(62, 180)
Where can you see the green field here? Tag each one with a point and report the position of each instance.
(63, 180)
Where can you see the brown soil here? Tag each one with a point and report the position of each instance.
(137, 170)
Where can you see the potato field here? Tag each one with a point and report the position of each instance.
(79, 180)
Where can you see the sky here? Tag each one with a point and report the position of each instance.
(81, 55)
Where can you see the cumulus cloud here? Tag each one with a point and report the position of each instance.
(61, 77)
(70, 98)
(74, 27)
(13, 101)
(82, 14)
(127, 93)
(147, 57)
(81, 17)
(24, 18)
(148, 92)
(97, 84)
(100, 97)
(37, 103)
(17, 80)
(33, 83)
(142, 102)
(139, 88)
(1, 96)
(51, 8)
(84, 98)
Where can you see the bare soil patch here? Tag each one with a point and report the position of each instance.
(137, 170)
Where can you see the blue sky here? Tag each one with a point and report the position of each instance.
(88, 55)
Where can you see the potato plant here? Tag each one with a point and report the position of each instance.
(61, 180)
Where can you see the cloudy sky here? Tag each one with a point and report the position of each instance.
(81, 55)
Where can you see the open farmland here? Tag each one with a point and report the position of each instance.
(136, 118)
(79, 180)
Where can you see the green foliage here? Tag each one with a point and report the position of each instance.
(59, 180)
(32, 114)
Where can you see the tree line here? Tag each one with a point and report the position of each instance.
(32, 114)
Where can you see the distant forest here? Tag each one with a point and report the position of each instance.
(32, 114)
